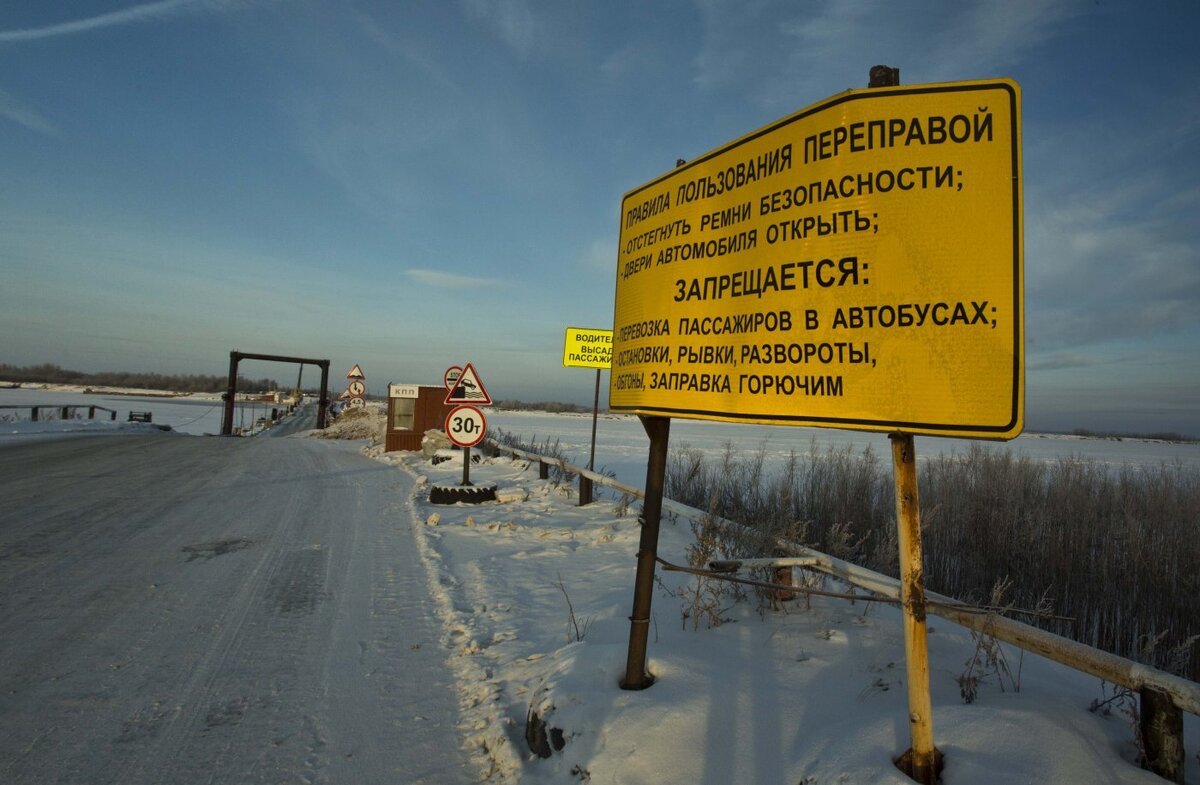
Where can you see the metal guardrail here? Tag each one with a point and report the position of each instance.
(1183, 693)
(62, 410)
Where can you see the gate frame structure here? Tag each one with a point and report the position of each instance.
(236, 357)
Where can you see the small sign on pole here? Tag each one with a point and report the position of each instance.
(466, 427)
(584, 348)
(465, 424)
(468, 388)
(356, 390)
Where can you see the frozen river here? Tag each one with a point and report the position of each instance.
(196, 416)
(622, 445)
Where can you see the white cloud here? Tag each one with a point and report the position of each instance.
(163, 10)
(14, 110)
(512, 20)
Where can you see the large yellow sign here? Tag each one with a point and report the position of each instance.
(857, 264)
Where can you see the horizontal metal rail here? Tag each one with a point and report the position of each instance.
(1184, 693)
(61, 409)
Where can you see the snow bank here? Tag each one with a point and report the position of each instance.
(534, 595)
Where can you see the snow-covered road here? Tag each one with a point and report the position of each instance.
(204, 610)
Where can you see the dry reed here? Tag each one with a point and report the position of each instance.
(1115, 549)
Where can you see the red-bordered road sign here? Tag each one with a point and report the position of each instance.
(469, 389)
(466, 426)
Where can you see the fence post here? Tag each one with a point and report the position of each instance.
(585, 490)
(34, 414)
(1161, 723)
(543, 470)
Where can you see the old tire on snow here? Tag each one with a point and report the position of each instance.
(466, 494)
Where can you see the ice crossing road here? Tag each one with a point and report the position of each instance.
(305, 418)
(207, 610)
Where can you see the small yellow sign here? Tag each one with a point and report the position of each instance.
(584, 348)
(858, 264)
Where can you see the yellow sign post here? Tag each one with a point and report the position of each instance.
(857, 264)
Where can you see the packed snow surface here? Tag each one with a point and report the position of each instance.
(535, 594)
(530, 598)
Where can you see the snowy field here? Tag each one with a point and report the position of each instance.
(533, 595)
(198, 414)
(622, 445)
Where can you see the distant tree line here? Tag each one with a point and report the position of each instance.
(1164, 436)
(189, 383)
(541, 406)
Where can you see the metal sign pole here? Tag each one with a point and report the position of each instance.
(466, 465)
(636, 677)
(921, 757)
(595, 415)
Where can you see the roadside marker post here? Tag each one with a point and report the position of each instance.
(466, 427)
(465, 424)
(588, 348)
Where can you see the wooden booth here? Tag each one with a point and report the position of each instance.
(412, 410)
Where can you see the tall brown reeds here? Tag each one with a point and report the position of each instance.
(1115, 549)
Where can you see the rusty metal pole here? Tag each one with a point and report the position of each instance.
(595, 416)
(230, 394)
(636, 676)
(912, 598)
(585, 483)
(323, 403)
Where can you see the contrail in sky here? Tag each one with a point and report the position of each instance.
(159, 11)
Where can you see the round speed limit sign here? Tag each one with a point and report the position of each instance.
(465, 426)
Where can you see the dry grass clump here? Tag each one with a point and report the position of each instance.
(1114, 549)
(545, 448)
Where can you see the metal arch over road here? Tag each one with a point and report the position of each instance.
(236, 357)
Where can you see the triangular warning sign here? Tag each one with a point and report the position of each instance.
(356, 373)
(469, 389)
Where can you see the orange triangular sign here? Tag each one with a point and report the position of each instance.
(469, 389)
(356, 373)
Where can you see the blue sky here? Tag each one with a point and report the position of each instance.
(413, 185)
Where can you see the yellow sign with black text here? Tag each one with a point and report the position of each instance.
(858, 264)
(584, 348)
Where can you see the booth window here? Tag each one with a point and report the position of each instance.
(402, 413)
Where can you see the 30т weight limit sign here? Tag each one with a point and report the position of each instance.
(466, 426)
